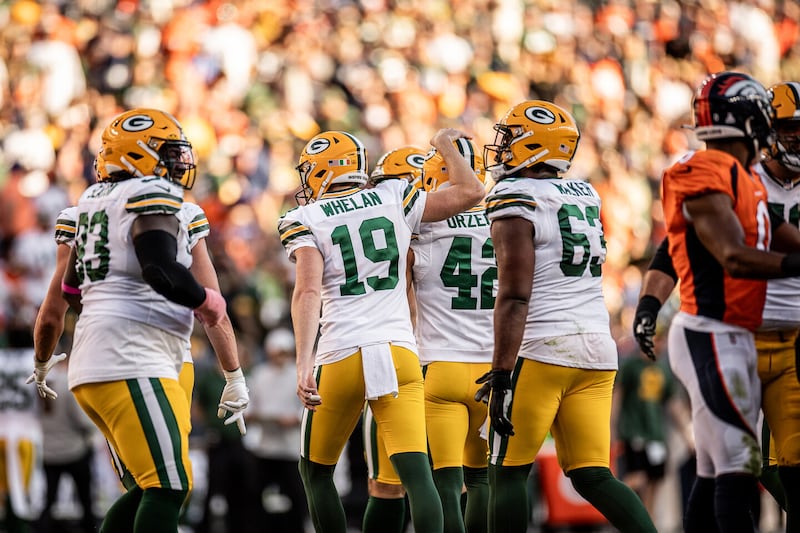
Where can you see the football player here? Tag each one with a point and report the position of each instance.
(349, 245)
(554, 359)
(131, 261)
(386, 507)
(777, 335)
(455, 281)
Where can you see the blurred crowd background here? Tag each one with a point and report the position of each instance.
(252, 80)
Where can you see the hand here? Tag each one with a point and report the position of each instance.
(445, 137)
(212, 310)
(644, 324)
(499, 382)
(309, 396)
(40, 370)
(234, 399)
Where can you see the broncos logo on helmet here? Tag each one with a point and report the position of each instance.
(434, 169)
(731, 105)
(531, 133)
(329, 158)
(146, 142)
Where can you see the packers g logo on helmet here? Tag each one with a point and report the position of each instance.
(785, 101)
(531, 133)
(405, 163)
(328, 158)
(137, 123)
(146, 142)
(434, 170)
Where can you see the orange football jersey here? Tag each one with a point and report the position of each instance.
(706, 289)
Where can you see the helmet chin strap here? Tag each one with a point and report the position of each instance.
(323, 187)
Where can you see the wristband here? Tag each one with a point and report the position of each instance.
(790, 264)
(69, 289)
(233, 374)
(649, 304)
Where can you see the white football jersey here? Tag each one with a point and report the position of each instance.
(570, 249)
(193, 222)
(455, 285)
(108, 270)
(782, 307)
(363, 236)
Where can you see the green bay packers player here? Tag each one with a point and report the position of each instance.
(554, 360)
(349, 245)
(137, 297)
(455, 278)
(386, 505)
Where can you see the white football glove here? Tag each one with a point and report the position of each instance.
(234, 399)
(40, 371)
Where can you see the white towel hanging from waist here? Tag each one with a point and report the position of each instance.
(380, 376)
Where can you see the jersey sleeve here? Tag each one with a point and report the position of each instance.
(196, 223)
(66, 224)
(294, 232)
(509, 198)
(155, 196)
(413, 204)
(702, 173)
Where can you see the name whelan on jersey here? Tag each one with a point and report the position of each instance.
(345, 205)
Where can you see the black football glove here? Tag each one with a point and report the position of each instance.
(499, 383)
(644, 324)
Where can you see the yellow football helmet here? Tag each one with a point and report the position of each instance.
(147, 142)
(785, 100)
(434, 169)
(405, 163)
(531, 133)
(330, 157)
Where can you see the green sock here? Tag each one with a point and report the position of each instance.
(324, 504)
(414, 470)
(384, 515)
(159, 511)
(508, 498)
(121, 515)
(772, 482)
(449, 482)
(477, 481)
(614, 499)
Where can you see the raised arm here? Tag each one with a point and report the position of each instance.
(464, 191)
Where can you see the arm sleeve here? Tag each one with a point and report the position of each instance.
(662, 260)
(157, 252)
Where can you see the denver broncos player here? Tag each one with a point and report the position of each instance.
(719, 228)
(554, 360)
(349, 245)
(386, 508)
(137, 297)
(777, 333)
